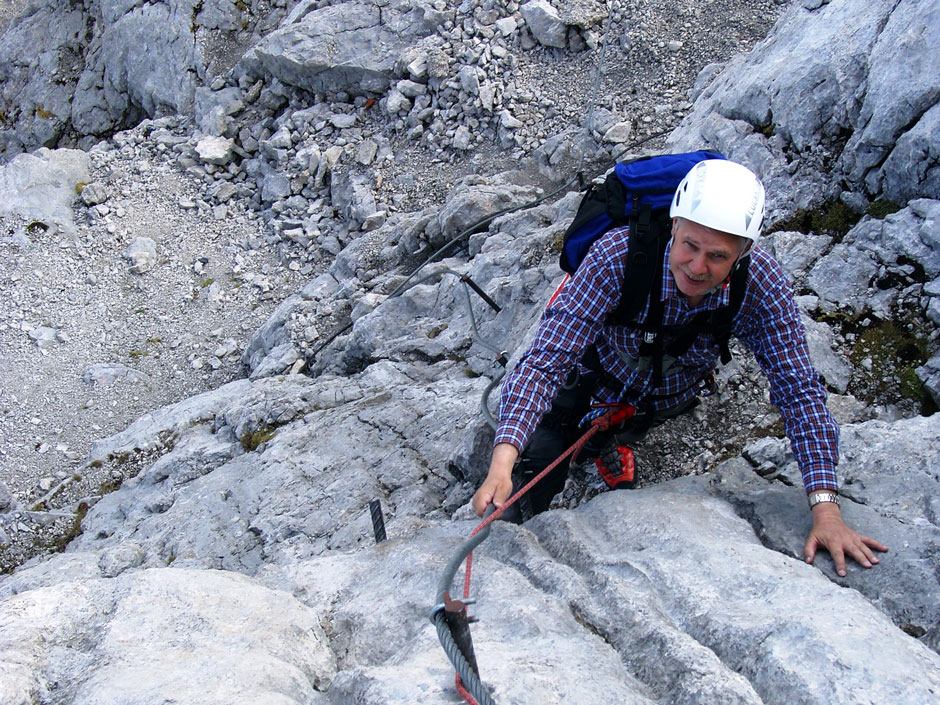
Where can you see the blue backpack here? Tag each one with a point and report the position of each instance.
(638, 194)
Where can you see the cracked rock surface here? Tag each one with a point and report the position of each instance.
(190, 521)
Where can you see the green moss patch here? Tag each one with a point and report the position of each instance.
(882, 207)
(833, 218)
(885, 356)
(74, 530)
(252, 439)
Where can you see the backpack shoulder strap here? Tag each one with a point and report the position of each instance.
(649, 234)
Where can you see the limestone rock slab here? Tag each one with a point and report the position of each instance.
(348, 46)
(159, 636)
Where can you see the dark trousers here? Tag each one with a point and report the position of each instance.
(558, 431)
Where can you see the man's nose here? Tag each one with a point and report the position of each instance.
(698, 265)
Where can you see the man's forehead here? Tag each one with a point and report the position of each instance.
(710, 239)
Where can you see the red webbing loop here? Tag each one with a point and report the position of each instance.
(463, 691)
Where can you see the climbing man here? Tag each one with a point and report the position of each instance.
(580, 357)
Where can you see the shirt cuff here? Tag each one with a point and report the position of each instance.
(819, 478)
(507, 436)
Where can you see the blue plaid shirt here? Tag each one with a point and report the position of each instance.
(768, 323)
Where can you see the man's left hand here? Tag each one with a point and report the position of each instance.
(831, 533)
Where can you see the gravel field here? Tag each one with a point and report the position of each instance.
(179, 329)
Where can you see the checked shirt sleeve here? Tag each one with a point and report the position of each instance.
(568, 327)
(771, 327)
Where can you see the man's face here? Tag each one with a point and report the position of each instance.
(701, 258)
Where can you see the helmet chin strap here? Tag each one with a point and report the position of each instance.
(744, 253)
(737, 263)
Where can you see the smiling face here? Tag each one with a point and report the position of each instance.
(701, 258)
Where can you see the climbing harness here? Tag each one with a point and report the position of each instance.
(450, 616)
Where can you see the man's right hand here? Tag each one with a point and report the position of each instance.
(498, 484)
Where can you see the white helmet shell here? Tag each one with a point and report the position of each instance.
(721, 195)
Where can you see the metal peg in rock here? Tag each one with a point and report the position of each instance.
(378, 521)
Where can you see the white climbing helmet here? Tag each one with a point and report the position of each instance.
(721, 195)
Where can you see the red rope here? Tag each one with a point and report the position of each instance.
(616, 414)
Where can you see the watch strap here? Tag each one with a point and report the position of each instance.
(821, 496)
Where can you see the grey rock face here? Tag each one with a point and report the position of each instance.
(349, 46)
(856, 69)
(899, 106)
(274, 419)
(149, 430)
(853, 273)
(909, 170)
(120, 76)
(40, 59)
(239, 566)
(890, 480)
(106, 66)
(205, 636)
(661, 593)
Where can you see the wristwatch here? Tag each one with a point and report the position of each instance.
(822, 496)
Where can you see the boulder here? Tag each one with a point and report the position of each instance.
(929, 375)
(834, 368)
(142, 254)
(352, 46)
(475, 198)
(105, 374)
(543, 21)
(844, 278)
(352, 196)
(215, 150)
(41, 187)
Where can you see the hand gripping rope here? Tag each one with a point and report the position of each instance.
(449, 616)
